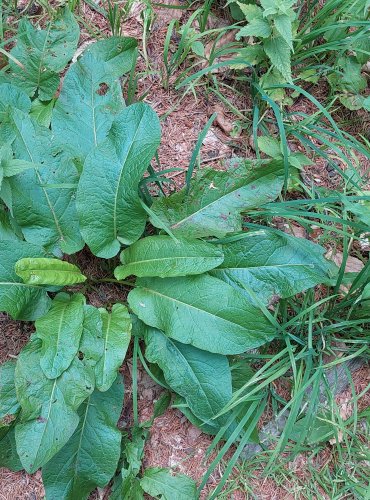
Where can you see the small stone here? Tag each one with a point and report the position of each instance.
(193, 434)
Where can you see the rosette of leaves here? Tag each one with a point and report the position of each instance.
(349, 84)
(272, 25)
(198, 285)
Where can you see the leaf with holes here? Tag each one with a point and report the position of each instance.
(213, 205)
(43, 53)
(91, 95)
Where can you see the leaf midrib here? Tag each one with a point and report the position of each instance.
(43, 189)
(105, 347)
(122, 163)
(47, 418)
(192, 371)
(202, 257)
(192, 307)
(262, 267)
(205, 207)
(17, 283)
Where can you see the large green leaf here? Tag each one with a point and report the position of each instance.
(42, 206)
(91, 95)
(108, 202)
(42, 271)
(90, 457)
(8, 452)
(201, 377)
(158, 481)
(48, 416)
(273, 265)
(117, 335)
(92, 340)
(215, 199)
(7, 230)
(43, 54)
(202, 311)
(241, 372)
(164, 257)
(12, 97)
(60, 331)
(9, 405)
(21, 301)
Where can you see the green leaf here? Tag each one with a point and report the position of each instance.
(8, 452)
(162, 256)
(117, 335)
(9, 405)
(47, 216)
(216, 198)
(353, 102)
(90, 457)
(91, 95)
(108, 202)
(21, 301)
(241, 372)
(15, 167)
(12, 97)
(257, 27)
(42, 271)
(201, 377)
(92, 341)
(273, 265)
(60, 331)
(278, 52)
(126, 485)
(269, 145)
(7, 230)
(283, 24)
(202, 311)
(41, 112)
(250, 11)
(350, 77)
(48, 417)
(270, 7)
(43, 54)
(158, 481)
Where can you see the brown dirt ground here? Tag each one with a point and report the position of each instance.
(174, 442)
